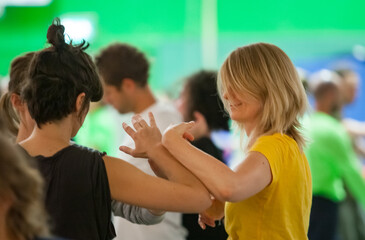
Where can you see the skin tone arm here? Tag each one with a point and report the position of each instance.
(183, 193)
(249, 178)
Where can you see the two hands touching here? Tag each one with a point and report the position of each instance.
(147, 138)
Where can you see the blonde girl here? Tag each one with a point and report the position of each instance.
(268, 195)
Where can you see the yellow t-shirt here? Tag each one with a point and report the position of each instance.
(281, 210)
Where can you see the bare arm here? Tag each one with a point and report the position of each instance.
(130, 185)
(250, 177)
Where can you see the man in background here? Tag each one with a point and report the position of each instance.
(331, 157)
(124, 70)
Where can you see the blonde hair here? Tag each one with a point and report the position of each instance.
(26, 217)
(265, 72)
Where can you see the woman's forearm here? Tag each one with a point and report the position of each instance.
(249, 177)
(172, 169)
(214, 174)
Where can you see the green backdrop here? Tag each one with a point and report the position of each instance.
(182, 36)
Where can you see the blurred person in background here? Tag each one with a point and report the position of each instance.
(349, 85)
(351, 224)
(22, 212)
(124, 71)
(13, 110)
(331, 157)
(199, 102)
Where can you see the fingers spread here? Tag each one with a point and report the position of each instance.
(141, 121)
(126, 149)
(135, 122)
(128, 130)
(152, 119)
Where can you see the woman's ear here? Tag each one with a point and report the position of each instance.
(200, 127)
(80, 101)
(198, 117)
(17, 102)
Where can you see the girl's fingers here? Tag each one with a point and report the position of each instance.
(136, 123)
(201, 224)
(128, 130)
(186, 126)
(152, 119)
(126, 149)
(188, 136)
(207, 220)
(141, 121)
(183, 127)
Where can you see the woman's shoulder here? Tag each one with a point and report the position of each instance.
(75, 148)
(84, 154)
(275, 138)
(276, 143)
(73, 155)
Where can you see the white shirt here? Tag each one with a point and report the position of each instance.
(171, 227)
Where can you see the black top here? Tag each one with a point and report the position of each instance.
(190, 221)
(77, 194)
(49, 238)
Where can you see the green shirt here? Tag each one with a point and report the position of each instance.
(332, 159)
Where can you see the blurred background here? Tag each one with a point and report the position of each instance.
(180, 37)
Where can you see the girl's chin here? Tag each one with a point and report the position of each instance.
(234, 117)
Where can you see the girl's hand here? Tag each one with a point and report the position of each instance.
(212, 214)
(177, 132)
(144, 136)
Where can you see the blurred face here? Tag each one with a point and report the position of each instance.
(334, 102)
(242, 107)
(117, 98)
(350, 87)
(182, 104)
(200, 127)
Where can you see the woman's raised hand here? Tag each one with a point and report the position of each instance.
(177, 132)
(145, 136)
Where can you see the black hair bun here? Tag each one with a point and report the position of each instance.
(55, 34)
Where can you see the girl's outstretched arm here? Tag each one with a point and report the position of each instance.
(183, 192)
(250, 177)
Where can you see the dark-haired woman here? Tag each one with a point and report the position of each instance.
(199, 102)
(81, 182)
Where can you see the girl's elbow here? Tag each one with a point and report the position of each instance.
(226, 193)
